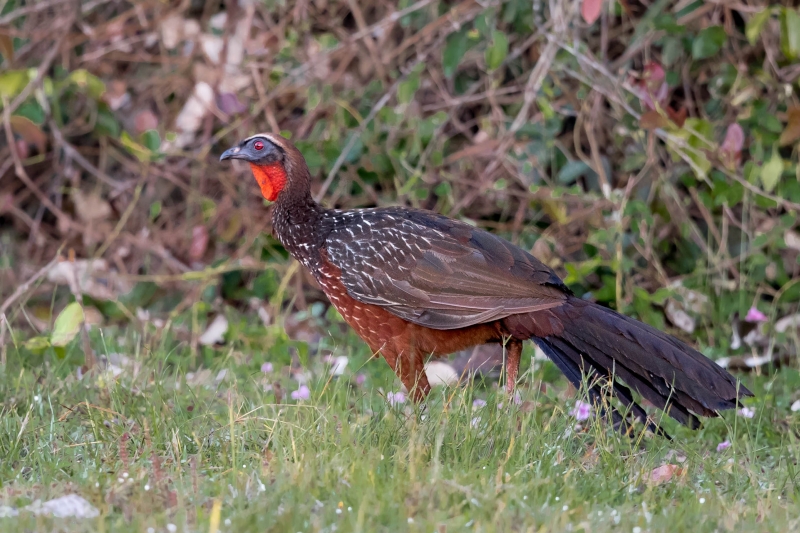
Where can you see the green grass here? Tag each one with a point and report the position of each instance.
(148, 450)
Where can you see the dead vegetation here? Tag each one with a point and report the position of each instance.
(647, 156)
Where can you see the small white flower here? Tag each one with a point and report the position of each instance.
(410, 520)
(747, 412)
(702, 500)
(227, 521)
(172, 528)
(146, 487)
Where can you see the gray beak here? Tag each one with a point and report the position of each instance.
(232, 153)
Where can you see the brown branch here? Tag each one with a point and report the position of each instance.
(22, 289)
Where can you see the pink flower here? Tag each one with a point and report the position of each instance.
(516, 400)
(652, 86)
(746, 412)
(396, 398)
(730, 150)
(301, 394)
(478, 403)
(267, 368)
(582, 410)
(360, 379)
(754, 315)
(724, 445)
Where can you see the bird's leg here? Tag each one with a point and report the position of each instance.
(410, 367)
(513, 353)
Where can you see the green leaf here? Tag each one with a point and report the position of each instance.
(408, 88)
(106, 123)
(708, 42)
(67, 325)
(790, 33)
(573, 170)
(696, 132)
(152, 140)
(32, 111)
(672, 51)
(497, 50)
(37, 344)
(94, 86)
(327, 41)
(771, 172)
(12, 82)
(755, 25)
(141, 152)
(454, 49)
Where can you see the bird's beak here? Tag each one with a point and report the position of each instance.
(232, 153)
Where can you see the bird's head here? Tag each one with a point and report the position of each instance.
(274, 161)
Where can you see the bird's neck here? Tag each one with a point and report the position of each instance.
(296, 221)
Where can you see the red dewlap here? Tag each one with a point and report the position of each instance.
(270, 178)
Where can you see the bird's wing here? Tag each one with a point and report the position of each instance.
(435, 271)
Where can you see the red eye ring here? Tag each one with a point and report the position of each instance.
(258, 145)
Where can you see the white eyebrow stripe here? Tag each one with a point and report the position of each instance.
(275, 139)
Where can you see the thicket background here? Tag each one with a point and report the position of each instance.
(646, 150)
(650, 156)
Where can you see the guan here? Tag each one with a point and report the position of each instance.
(415, 284)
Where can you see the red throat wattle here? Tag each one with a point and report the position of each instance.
(271, 179)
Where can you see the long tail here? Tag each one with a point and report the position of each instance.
(581, 336)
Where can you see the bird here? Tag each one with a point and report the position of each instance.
(415, 284)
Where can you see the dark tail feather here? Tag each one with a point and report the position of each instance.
(668, 373)
(572, 371)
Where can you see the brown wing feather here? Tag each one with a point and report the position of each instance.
(437, 272)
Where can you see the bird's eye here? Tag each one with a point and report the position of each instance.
(258, 145)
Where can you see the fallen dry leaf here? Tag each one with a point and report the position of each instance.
(792, 131)
(190, 119)
(93, 277)
(90, 207)
(29, 131)
(215, 333)
(69, 506)
(652, 120)
(590, 10)
(440, 373)
(116, 95)
(199, 244)
(679, 318)
(789, 321)
(792, 240)
(664, 474)
(7, 48)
